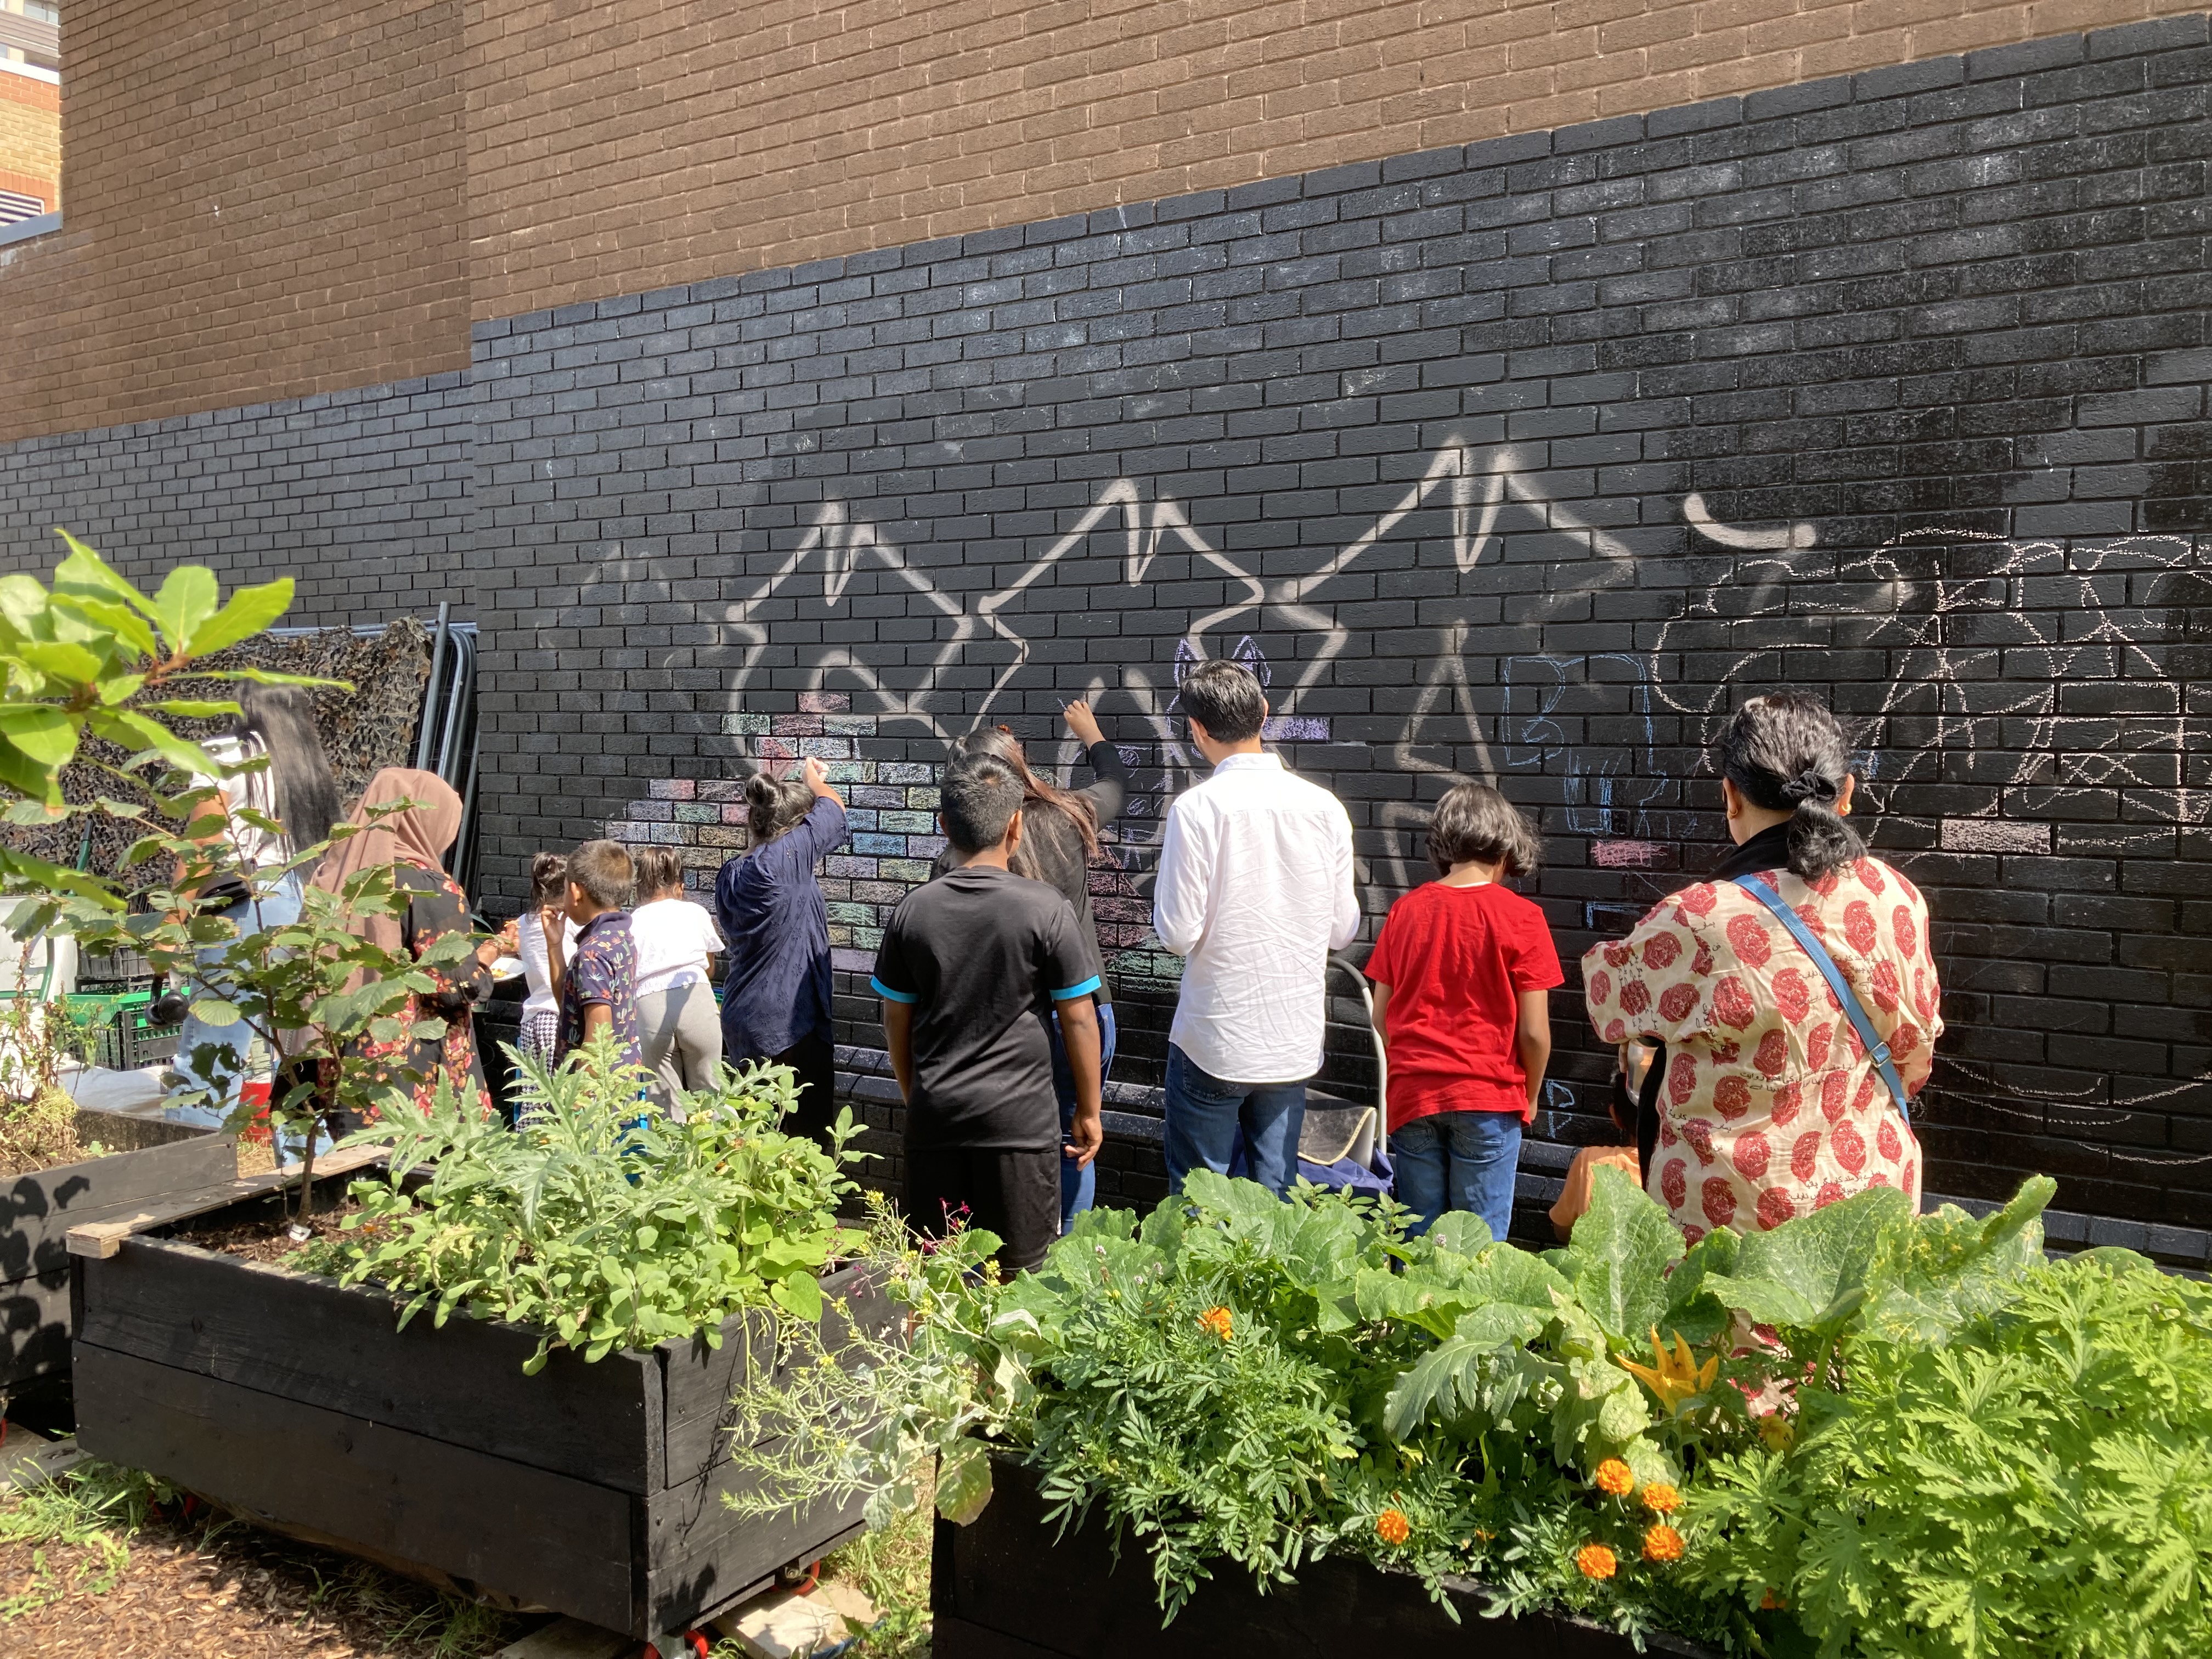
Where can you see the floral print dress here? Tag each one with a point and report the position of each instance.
(436, 907)
(1772, 1108)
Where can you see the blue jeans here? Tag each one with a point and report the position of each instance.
(1204, 1115)
(221, 1074)
(1079, 1182)
(1458, 1161)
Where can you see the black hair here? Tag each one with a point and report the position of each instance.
(605, 871)
(976, 800)
(1002, 745)
(1226, 699)
(659, 869)
(282, 719)
(1473, 821)
(1785, 752)
(548, 878)
(773, 804)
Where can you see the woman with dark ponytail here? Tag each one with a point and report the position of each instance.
(1771, 1103)
(775, 998)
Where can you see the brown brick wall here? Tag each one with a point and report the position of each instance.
(615, 149)
(31, 137)
(264, 201)
(383, 171)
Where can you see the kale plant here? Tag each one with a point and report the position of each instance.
(598, 1221)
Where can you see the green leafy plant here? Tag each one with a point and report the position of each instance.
(598, 1221)
(1243, 1380)
(2034, 1478)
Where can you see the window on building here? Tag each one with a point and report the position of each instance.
(30, 109)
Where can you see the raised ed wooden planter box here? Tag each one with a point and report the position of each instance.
(1010, 1586)
(155, 1164)
(591, 1490)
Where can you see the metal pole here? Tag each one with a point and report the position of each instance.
(431, 688)
(464, 658)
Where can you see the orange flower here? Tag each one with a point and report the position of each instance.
(1393, 1529)
(1661, 1498)
(1663, 1543)
(1217, 1321)
(1596, 1561)
(1614, 1477)
(1772, 1603)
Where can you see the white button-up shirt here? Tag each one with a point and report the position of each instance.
(1256, 887)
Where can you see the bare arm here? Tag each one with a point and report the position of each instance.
(1532, 1040)
(598, 1019)
(1380, 994)
(1078, 1030)
(898, 1038)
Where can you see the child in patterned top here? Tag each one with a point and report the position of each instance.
(599, 992)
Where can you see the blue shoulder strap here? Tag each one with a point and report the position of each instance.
(1854, 1010)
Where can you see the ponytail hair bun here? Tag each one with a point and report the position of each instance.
(773, 804)
(1785, 752)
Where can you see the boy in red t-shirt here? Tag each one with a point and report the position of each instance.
(1463, 970)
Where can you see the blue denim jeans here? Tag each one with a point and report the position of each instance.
(1204, 1115)
(1079, 1182)
(220, 1073)
(1458, 1161)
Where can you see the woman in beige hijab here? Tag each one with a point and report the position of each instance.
(413, 842)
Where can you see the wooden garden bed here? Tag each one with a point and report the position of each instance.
(1009, 1587)
(157, 1164)
(591, 1490)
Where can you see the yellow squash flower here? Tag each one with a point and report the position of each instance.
(1674, 1378)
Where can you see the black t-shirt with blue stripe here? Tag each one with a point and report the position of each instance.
(979, 953)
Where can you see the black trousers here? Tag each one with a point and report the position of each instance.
(1013, 1195)
(814, 1058)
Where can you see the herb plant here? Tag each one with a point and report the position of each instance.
(600, 1222)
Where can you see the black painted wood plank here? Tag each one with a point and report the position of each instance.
(307, 1339)
(1016, 1576)
(700, 1380)
(34, 1327)
(38, 1210)
(524, 1533)
(700, 1554)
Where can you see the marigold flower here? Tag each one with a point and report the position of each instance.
(1614, 1477)
(1772, 1603)
(1661, 1498)
(1596, 1561)
(1778, 1431)
(1663, 1543)
(1217, 1321)
(1392, 1528)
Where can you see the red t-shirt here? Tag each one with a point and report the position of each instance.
(1456, 960)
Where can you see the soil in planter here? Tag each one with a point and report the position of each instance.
(272, 1240)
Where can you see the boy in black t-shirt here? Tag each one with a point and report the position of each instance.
(968, 964)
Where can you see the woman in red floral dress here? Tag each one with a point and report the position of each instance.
(413, 842)
(1771, 1106)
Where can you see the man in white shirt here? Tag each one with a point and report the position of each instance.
(1254, 889)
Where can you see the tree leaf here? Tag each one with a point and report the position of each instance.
(42, 732)
(185, 599)
(251, 609)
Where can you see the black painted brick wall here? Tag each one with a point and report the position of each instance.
(1949, 319)
(1526, 460)
(360, 496)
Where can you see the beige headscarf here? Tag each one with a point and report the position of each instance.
(419, 835)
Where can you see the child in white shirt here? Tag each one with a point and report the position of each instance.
(679, 1029)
